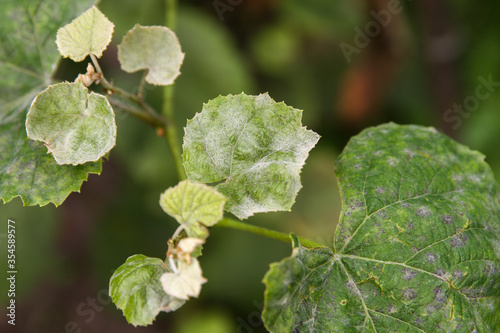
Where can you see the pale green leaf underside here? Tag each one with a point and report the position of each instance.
(195, 206)
(253, 147)
(186, 282)
(90, 33)
(75, 126)
(155, 49)
(28, 56)
(417, 246)
(136, 289)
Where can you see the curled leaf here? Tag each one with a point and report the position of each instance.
(186, 282)
(155, 49)
(28, 59)
(188, 245)
(75, 126)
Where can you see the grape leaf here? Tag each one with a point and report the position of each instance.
(28, 56)
(75, 126)
(253, 147)
(155, 49)
(136, 289)
(89, 33)
(416, 250)
(195, 206)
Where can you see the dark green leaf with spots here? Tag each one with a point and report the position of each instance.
(417, 246)
(28, 57)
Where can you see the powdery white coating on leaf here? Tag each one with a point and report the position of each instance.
(33, 175)
(155, 49)
(136, 289)
(90, 33)
(186, 282)
(419, 256)
(253, 147)
(26, 171)
(194, 205)
(76, 127)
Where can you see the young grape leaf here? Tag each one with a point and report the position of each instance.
(155, 49)
(89, 33)
(136, 289)
(28, 56)
(195, 206)
(253, 147)
(417, 247)
(75, 126)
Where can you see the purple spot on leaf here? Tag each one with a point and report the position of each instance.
(409, 294)
(424, 211)
(448, 219)
(457, 274)
(430, 257)
(439, 295)
(459, 240)
(408, 274)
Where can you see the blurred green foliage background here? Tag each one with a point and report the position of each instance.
(426, 58)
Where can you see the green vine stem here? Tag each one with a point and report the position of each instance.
(168, 101)
(281, 236)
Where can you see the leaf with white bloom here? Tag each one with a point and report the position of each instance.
(195, 206)
(136, 289)
(253, 147)
(75, 126)
(155, 49)
(90, 33)
(28, 58)
(186, 282)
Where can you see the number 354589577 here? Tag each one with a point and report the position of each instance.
(11, 243)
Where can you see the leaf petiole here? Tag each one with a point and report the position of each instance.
(281, 236)
(144, 112)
